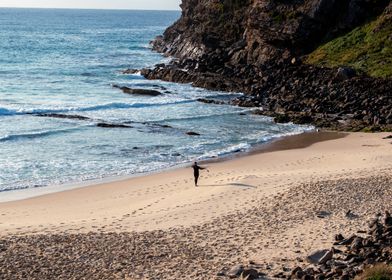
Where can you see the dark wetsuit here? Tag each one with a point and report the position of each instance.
(196, 173)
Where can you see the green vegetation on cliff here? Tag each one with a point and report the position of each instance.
(367, 48)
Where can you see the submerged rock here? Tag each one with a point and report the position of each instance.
(191, 133)
(113, 125)
(63, 116)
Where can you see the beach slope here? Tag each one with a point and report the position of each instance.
(273, 207)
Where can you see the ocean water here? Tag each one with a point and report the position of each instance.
(65, 62)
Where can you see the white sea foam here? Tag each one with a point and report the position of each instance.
(107, 106)
(60, 76)
(37, 134)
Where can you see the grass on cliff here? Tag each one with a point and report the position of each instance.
(378, 272)
(367, 48)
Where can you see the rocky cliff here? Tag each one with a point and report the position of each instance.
(261, 30)
(261, 47)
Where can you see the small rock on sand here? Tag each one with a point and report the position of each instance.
(235, 271)
(320, 256)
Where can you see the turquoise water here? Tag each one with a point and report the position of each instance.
(65, 62)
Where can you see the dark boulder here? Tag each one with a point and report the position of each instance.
(235, 271)
(138, 91)
(345, 73)
(250, 274)
(210, 101)
(320, 256)
(130, 71)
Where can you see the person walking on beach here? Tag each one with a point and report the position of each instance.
(196, 174)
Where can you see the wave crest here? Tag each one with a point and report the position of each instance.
(107, 106)
(33, 135)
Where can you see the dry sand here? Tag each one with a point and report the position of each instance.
(273, 207)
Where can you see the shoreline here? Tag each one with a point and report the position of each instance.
(275, 144)
(270, 209)
(163, 190)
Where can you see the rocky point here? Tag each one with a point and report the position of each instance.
(260, 48)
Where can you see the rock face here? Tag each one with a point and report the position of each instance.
(257, 47)
(261, 30)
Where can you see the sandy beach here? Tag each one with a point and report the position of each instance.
(271, 207)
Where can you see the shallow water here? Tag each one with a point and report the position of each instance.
(65, 62)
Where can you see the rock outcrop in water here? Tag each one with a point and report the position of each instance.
(137, 91)
(259, 48)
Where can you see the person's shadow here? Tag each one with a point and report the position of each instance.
(230, 184)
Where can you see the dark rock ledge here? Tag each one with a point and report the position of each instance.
(300, 94)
